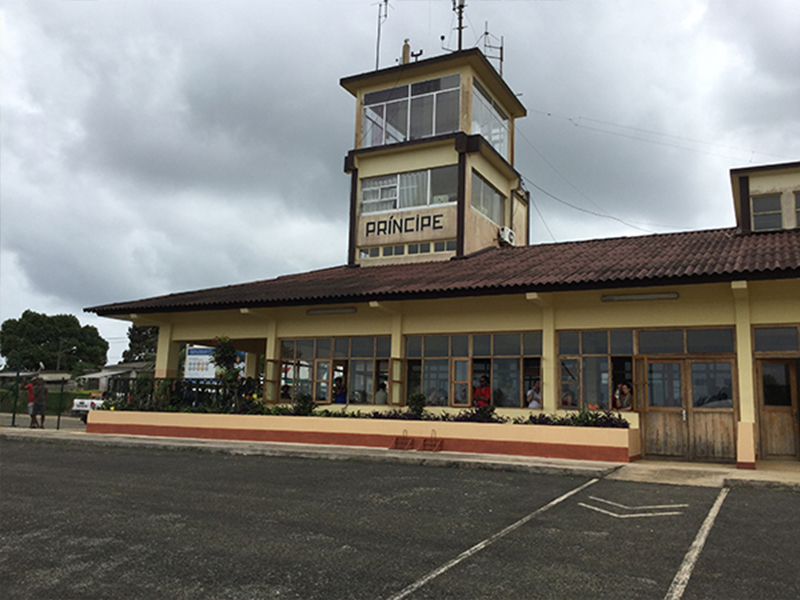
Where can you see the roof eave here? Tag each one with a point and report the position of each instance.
(499, 290)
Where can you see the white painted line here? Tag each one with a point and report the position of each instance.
(653, 507)
(631, 515)
(681, 580)
(485, 543)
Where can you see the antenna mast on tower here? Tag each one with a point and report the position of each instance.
(458, 7)
(383, 13)
(489, 44)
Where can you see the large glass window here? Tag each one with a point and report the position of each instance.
(661, 342)
(409, 190)
(766, 212)
(411, 112)
(447, 368)
(712, 385)
(594, 367)
(570, 383)
(664, 384)
(313, 366)
(776, 339)
(489, 120)
(487, 200)
(776, 379)
(699, 341)
(595, 382)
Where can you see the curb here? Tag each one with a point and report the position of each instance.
(404, 457)
(761, 484)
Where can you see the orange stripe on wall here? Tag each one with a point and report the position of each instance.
(513, 448)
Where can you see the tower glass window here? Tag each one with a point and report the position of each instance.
(487, 200)
(409, 112)
(402, 191)
(489, 120)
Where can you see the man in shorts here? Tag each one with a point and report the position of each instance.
(39, 403)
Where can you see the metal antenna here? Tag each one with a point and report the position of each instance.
(458, 7)
(383, 13)
(488, 46)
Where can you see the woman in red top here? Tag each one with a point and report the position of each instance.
(483, 393)
(29, 387)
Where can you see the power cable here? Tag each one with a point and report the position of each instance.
(577, 122)
(584, 210)
(541, 216)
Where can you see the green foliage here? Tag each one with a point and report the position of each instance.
(583, 418)
(303, 405)
(479, 414)
(142, 344)
(416, 404)
(224, 357)
(80, 368)
(36, 338)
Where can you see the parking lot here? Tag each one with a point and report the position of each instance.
(84, 521)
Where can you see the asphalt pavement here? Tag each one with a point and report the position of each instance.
(768, 474)
(88, 518)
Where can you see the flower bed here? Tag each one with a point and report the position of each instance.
(618, 444)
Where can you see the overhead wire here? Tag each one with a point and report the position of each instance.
(541, 216)
(577, 122)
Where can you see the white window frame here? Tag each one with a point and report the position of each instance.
(366, 140)
(486, 205)
(763, 213)
(385, 195)
(489, 120)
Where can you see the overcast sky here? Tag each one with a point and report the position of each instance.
(156, 147)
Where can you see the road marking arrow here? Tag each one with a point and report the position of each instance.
(663, 508)
(652, 507)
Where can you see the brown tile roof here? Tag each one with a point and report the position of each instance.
(672, 258)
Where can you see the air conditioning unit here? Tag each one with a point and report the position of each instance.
(506, 236)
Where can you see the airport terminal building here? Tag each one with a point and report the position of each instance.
(441, 287)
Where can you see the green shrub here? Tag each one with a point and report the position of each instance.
(416, 404)
(303, 405)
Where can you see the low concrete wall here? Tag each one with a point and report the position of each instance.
(586, 443)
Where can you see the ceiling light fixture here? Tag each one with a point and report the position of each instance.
(631, 297)
(345, 310)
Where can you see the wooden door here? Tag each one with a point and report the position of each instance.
(778, 409)
(665, 430)
(711, 410)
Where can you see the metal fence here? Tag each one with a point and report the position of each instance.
(187, 395)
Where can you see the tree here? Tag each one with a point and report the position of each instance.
(142, 344)
(57, 341)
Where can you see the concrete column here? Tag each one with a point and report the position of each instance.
(251, 364)
(550, 375)
(550, 380)
(396, 377)
(746, 438)
(167, 354)
(272, 364)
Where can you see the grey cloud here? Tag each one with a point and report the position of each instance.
(166, 146)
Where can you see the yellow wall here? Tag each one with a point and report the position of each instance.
(407, 159)
(697, 305)
(741, 305)
(775, 302)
